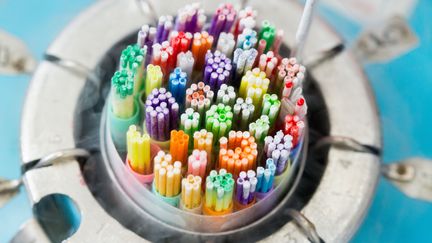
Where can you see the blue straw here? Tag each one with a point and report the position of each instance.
(177, 86)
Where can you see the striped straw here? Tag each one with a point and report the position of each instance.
(201, 43)
(167, 175)
(245, 187)
(180, 42)
(271, 107)
(138, 151)
(177, 86)
(162, 113)
(218, 120)
(217, 69)
(222, 20)
(190, 18)
(243, 62)
(191, 191)
(267, 63)
(260, 128)
(203, 140)
(294, 126)
(190, 123)
(265, 177)
(146, 37)
(226, 95)
(164, 27)
(267, 33)
(246, 19)
(254, 84)
(185, 61)
(197, 163)
(226, 44)
(179, 146)
(122, 86)
(219, 190)
(132, 59)
(153, 78)
(247, 39)
(243, 113)
(162, 56)
(278, 148)
(199, 97)
(238, 152)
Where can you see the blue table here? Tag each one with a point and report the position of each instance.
(402, 87)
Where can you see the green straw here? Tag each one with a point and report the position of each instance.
(122, 84)
(260, 128)
(270, 107)
(268, 33)
(189, 123)
(219, 120)
(133, 59)
(219, 190)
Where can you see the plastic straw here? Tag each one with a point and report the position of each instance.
(226, 95)
(145, 39)
(218, 120)
(190, 123)
(162, 114)
(268, 63)
(164, 27)
(267, 33)
(197, 163)
(254, 84)
(226, 44)
(191, 18)
(202, 42)
(278, 148)
(294, 126)
(138, 150)
(185, 61)
(260, 128)
(265, 177)
(217, 69)
(247, 39)
(191, 191)
(245, 187)
(167, 175)
(219, 190)
(246, 19)
(203, 140)
(179, 146)
(222, 20)
(163, 56)
(177, 86)
(180, 42)
(271, 107)
(243, 113)
(243, 61)
(290, 75)
(153, 78)
(199, 97)
(132, 59)
(122, 101)
(238, 152)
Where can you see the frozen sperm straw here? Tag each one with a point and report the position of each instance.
(180, 42)
(177, 85)
(162, 114)
(294, 126)
(218, 120)
(122, 85)
(145, 39)
(226, 44)
(199, 97)
(165, 25)
(191, 192)
(246, 19)
(179, 146)
(201, 43)
(267, 33)
(245, 187)
(268, 63)
(247, 39)
(218, 193)
(290, 75)
(153, 78)
(270, 107)
(222, 20)
(190, 18)
(226, 95)
(167, 182)
(238, 152)
(197, 163)
(138, 150)
(265, 177)
(303, 28)
(243, 113)
(203, 140)
(260, 128)
(189, 123)
(185, 61)
(278, 149)
(217, 69)
(243, 61)
(132, 59)
(163, 56)
(254, 84)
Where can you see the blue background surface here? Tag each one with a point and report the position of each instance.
(402, 87)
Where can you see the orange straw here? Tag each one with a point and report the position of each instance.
(179, 146)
